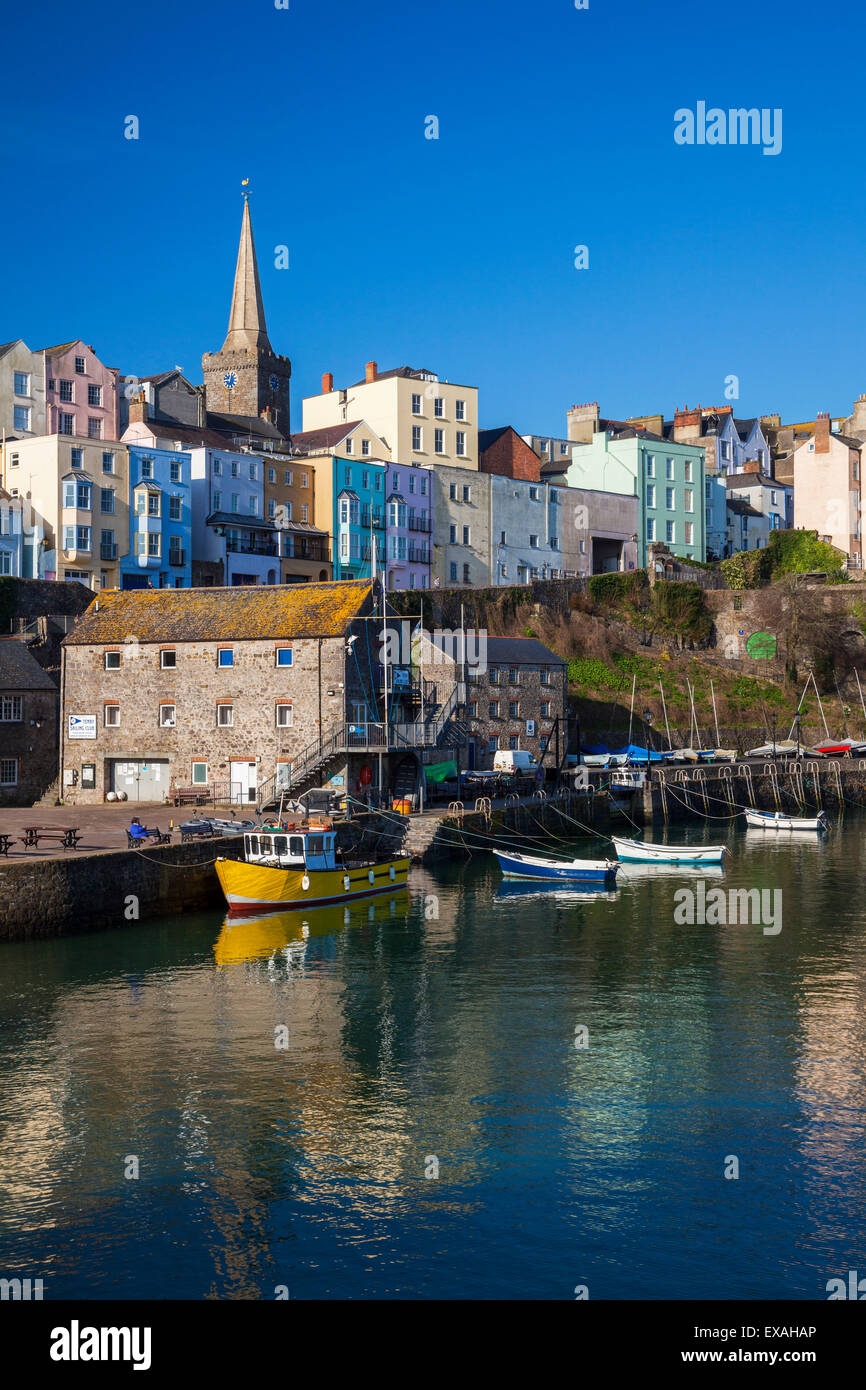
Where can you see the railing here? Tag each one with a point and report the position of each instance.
(108, 552)
(418, 555)
(251, 548)
(416, 523)
(177, 557)
(377, 522)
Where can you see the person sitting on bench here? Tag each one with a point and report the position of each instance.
(137, 830)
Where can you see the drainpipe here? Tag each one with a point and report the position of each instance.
(62, 715)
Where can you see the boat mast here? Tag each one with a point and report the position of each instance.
(715, 715)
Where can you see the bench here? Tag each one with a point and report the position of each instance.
(190, 796)
(158, 836)
(5, 842)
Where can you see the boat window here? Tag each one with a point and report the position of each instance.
(280, 844)
(296, 847)
(253, 841)
(266, 844)
(314, 844)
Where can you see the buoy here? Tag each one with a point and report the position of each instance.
(392, 873)
(305, 882)
(371, 876)
(346, 882)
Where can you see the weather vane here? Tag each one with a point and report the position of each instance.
(245, 185)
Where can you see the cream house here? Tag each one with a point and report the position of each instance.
(828, 489)
(425, 422)
(75, 495)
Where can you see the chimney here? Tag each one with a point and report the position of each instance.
(327, 383)
(822, 432)
(138, 409)
(582, 422)
(372, 371)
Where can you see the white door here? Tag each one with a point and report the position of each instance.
(243, 781)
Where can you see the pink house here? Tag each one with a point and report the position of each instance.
(80, 393)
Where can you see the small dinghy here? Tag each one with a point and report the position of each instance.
(782, 748)
(777, 820)
(556, 870)
(638, 852)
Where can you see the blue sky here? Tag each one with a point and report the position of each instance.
(555, 130)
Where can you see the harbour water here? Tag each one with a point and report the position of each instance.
(459, 1092)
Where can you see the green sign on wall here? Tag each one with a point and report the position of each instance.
(761, 646)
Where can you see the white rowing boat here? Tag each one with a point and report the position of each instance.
(638, 852)
(777, 820)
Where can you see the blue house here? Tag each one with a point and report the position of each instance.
(11, 536)
(160, 520)
(358, 489)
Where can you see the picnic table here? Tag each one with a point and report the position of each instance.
(66, 836)
(5, 842)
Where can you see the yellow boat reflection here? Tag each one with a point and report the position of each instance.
(255, 938)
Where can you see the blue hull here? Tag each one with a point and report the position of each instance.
(553, 873)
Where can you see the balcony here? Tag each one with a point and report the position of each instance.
(417, 524)
(177, 557)
(418, 555)
(252, 547)
(107, 552)
(376, 520)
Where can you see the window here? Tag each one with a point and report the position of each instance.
(690, 500)
(461, 444)
(225, 715)
(174, 508)
(473, 709)
(533, 494)
(272, 509)
(66, 390)
(513, 676)
(82, 538)
(544, 706)
(217, 501)
(467, 494)
(175, 550)
(452, 534)
(513, 741)
(305, 480)
(8, 772)
(166, 716)
(452, 571)
(272, 475)
(175, 471)
(438, 407)
(225, 657)
(466, 536)
(439, 441)
(10, 709)
(725, 448)
(650, 466)
(111, 716)
(106, 499)
(466, 574)
(670, 532)
(199, 774)
(94, 428)
(494, 743)
(494, 675)
(21, 384)
(108, 462)
(217, 468)
(493, 709)
(688, 467)
(168, 659)
(234, 468)
(416, 404)
(416, 438)
(252, 472)
(650, 494)
(460, 410)
(284, 656)
(774, 496)
(304, 512)
(365, 449)
(253, 506)
(513, 709)
(284, 716)
(66, 424)
(288, 477)
(350, 446)
(533, 542)
(670, 499)
(690, 533)
(94, 395)
(650, 528)
(147, 468)
(111, 661)
(669, 468)
(153, 545)
(79, 366)
(236, 501)
(21, 417)
(153, 500)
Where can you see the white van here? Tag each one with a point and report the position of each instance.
(514, 760)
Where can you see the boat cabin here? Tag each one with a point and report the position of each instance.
(291, 849)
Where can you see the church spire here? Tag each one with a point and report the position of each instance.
(247, 318)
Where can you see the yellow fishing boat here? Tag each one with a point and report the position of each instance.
(287, 867)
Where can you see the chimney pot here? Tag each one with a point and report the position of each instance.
(327, 383)
(372, 371)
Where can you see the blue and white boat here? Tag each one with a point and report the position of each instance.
(777, 820)
(556, 870)
(640, 852)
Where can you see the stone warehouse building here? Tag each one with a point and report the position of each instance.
(28, 725)
(516, 694)
(241, 692)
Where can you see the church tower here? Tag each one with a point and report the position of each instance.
(246, 377)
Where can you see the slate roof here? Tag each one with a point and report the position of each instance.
(308, 441)
(248, 522)
(417, 372)
(509, 651)
(191, 436)
(251, 613)
(488, 437)
(19, 670)
(741, 507)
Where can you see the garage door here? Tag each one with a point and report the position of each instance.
(143, 779)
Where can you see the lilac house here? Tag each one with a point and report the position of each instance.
(408, 527)
(80, 393)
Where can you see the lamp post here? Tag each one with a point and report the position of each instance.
(773, 718)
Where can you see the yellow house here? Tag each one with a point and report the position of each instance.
(77, 490)
(423, 421)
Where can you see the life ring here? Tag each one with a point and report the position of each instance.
(305, 882)
(371, 876)
(346, 882)
(392, 873)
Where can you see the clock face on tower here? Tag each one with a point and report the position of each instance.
(230, 380)
(273, 381)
